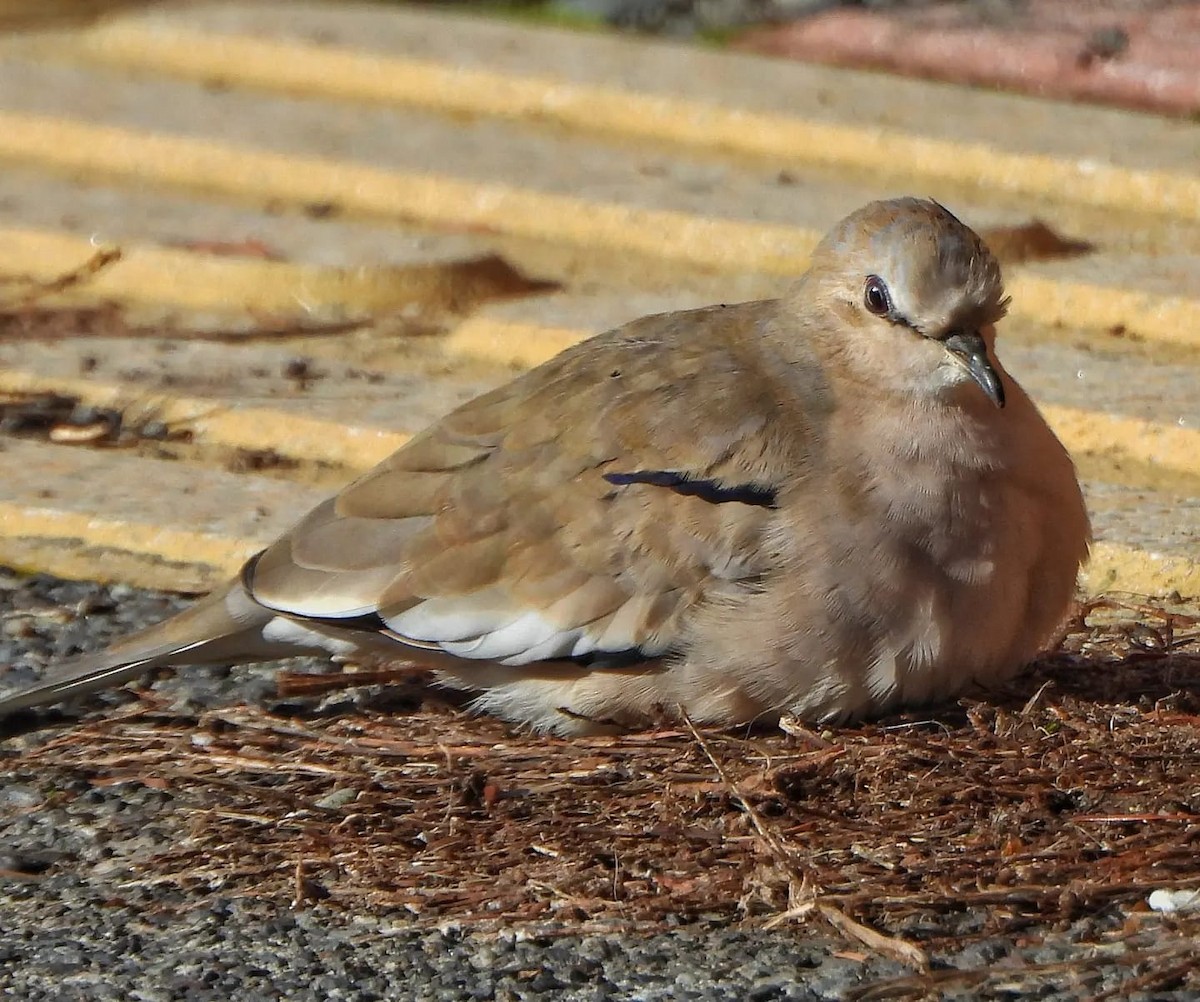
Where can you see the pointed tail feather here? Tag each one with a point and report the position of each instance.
(226, 626)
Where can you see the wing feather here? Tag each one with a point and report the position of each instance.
(496, 536)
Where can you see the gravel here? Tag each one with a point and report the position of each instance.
(82, 916)
(139, 949)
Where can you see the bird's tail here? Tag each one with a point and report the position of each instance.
(224, 626)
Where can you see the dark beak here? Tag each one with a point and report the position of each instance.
(969, 350)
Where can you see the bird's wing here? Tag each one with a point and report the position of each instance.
(582, 509)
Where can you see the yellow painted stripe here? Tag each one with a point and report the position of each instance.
(1067, 303)
(74, 562)
(1115, 567)
(725, 244)
(216, 423)
(205, 281)
(359, 447)
(328, 72)
(222, 169)
(1083, 431)
(172, 543)
(507, 343)
(1053, 302)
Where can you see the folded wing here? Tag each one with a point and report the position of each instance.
(580, 511)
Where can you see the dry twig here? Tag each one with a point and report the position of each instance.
(808, 897)
(1038, 806)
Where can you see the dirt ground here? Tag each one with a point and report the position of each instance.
(1031, 824)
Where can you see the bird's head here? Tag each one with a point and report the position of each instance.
(915, 295)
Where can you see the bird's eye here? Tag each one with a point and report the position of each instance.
(876, 298)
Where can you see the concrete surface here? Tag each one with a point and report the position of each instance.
(267, 169)
(263, 168)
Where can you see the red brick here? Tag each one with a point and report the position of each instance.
(1045, 47)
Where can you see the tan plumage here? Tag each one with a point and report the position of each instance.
(809, 505)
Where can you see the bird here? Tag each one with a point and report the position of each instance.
(830, 506)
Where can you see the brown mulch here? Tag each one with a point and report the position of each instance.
(1077, 790)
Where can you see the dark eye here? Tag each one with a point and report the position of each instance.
(876, 298)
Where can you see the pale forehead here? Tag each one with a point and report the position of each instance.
(927, 256)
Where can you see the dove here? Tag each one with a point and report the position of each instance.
(832, 505)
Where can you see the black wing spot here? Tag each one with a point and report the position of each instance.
(370, 622)
(706, 490)
(247, 572)
(610, 660)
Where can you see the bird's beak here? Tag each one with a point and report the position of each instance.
(970, 351)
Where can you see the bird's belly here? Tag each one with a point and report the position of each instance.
(950, 603)
(876, 616)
